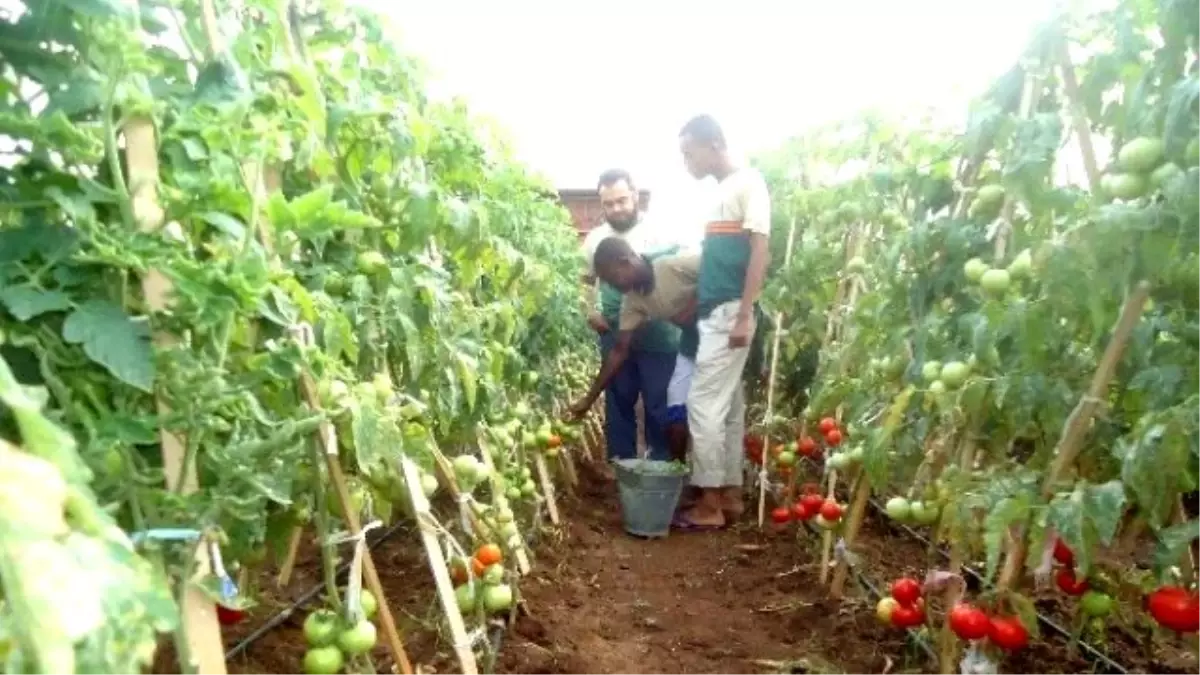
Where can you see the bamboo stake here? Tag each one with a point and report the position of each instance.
(762, 483)
(327, 437)
(539, 461)
(437, 564)
(198, 611)
(1078, 117)
(289, 562)
(1080, 420)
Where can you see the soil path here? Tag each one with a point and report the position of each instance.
(602, 601)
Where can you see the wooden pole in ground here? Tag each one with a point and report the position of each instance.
(437, 564)
(1079, 118)
(199, 614)
(327, 437)
(1079, 422)
(766, 455)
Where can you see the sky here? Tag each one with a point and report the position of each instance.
(585, 86)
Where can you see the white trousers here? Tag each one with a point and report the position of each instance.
(716, 404)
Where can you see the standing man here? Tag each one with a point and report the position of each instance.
(646, 370)
(733, 264)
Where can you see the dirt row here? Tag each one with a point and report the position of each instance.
(740, 601)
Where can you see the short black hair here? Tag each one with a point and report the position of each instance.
(614, 176)
(610, 251)
(704, 128)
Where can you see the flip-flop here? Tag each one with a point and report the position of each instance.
(684, 524)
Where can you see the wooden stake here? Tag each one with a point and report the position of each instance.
(857, 510)
(1079, 118)
(539, 461)
(766, 455)
(289, 562)
(199, 613)
(437, 565)
(327, 436)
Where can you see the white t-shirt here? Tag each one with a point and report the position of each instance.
(743, 198)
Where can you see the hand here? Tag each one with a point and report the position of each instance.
(597, 322)
(579, 408)
(739, 335)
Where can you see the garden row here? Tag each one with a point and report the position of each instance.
(256, 290)
(1002, 352)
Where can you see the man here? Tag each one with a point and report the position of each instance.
(733, 265)
(654, 287)
(647, 368)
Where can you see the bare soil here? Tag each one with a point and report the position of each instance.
(736, 601)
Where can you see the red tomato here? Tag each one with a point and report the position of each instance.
(831, 511)
(799, 512)
(812, 502)
(1062, 553)
(781, 514)
(833, 438)
(811, 489)
(806, 446)
(228, 616)
(827, 424)
(908, 617)
(969, 622)
(906, 591)
(1008, 633)
(1070, 584)
(1174, 608)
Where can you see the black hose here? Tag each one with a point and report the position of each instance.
(286, 613)
(1095, 654)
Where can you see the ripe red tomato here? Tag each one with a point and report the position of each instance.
(1070, 584)
(807, 446)
(812, 502)
(831, 511)
(1174, 608)
(227, 616)
(827, 424)
(969, 622)
(833, 438)
(781, 514)
(1062, 553)
(908, 617)
(1008, 633)
(906, 591)
(800, 512)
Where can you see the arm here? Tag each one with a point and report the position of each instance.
(756, 219)
(616, 358)
(756, 272)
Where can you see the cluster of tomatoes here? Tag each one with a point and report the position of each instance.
(826, 511)
(486, 567)
(905, 608)
(1092, 603)
(786, 454)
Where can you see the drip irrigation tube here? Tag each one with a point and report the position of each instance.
(1093, 653)
(286, 613)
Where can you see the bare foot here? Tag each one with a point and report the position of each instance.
(698, 517)
(732, 503)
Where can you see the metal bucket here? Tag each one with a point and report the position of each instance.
(649, 491)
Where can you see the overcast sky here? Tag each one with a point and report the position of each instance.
(582, 86)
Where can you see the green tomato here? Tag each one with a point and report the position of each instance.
(995, 281)
(925, 513)
(368, 603)
(1141, 154)
(497, 598)
(529, 440)
(1022, 266)
(465, 597)
(508, 531)
(1164, 175)
(931, 370)
(1096, 604)
(429, 485)
(327, 660)
(1127, 186)
(898, 509)
(937, 387)
(494, 574)
(370, 261)
(954, 374)
(513, 493)
(786, 458)
(359, 639)
(989, 197)
(521, 411)
(974, 269)
(465, 469)
(320, 628)
(529, 488)
(504, 515)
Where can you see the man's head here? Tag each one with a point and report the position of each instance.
(618, 199)
(618, 265)
(703, 146)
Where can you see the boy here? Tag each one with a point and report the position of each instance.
(653, 287)
(733, 265)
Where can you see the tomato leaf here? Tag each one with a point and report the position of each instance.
(114, 340)
(1086, 517)
(1153, 462)
(1172, 546)
(27, 302)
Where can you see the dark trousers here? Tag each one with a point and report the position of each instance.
(643, 374)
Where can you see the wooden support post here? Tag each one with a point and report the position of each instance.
(437, 565)
(539, 461)
(766, 455)
(289, 562)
